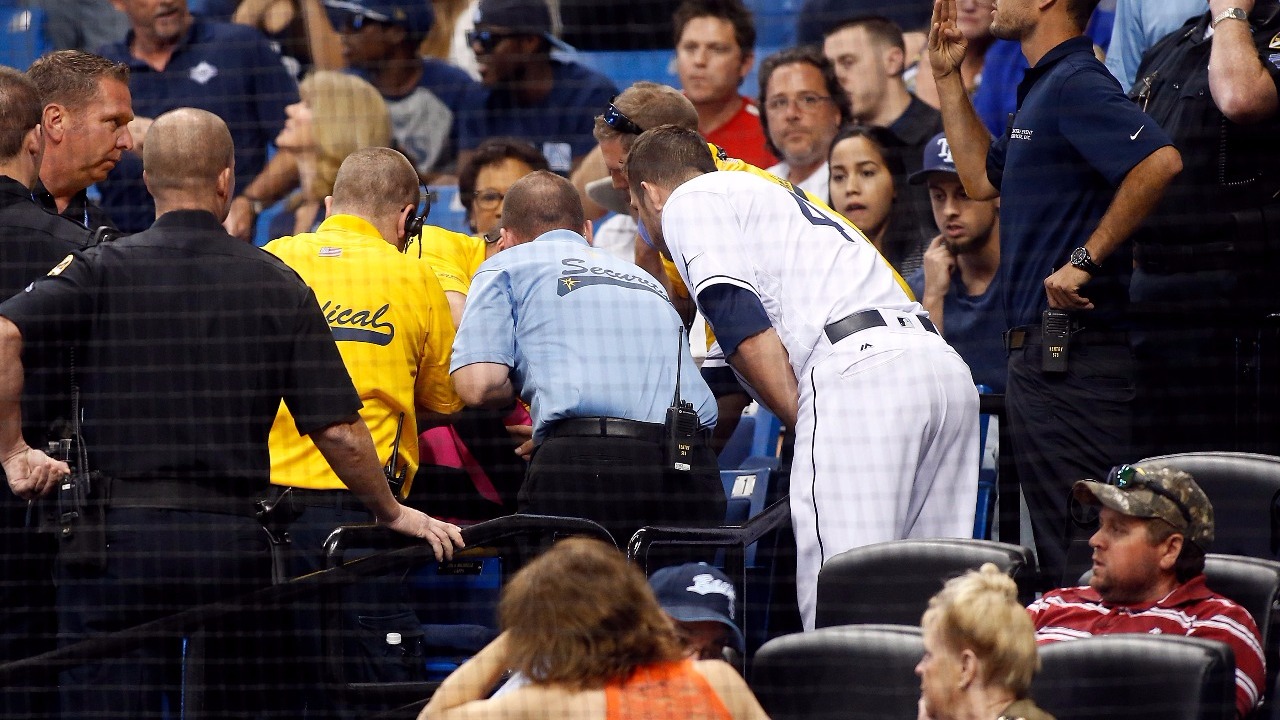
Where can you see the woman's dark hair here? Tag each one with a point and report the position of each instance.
(492, 152)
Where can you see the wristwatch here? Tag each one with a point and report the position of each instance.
(1230, 14)
(1080, 258)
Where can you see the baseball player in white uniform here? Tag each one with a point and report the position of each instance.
(821, 329)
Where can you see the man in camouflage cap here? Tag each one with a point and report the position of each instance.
(1155, 525)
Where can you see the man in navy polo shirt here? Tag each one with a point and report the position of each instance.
(176, 60)
(549, 102)
(1077, 169)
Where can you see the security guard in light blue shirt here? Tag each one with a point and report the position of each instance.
(592, 344)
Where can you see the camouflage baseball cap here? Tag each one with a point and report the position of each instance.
(1153, 490)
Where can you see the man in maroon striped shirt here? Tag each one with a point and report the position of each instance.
(1148, 573)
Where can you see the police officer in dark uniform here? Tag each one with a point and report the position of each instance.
(187, 340)
(1206, 259)
(31, 242)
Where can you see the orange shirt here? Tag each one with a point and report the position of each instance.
(664, 691)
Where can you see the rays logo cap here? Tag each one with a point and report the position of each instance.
(1153, 490)
(937, 159)
(696, 592)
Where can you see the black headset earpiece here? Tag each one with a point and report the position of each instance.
(413, 222)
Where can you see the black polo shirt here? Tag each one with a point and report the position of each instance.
(79, 210)
(187, 340)
(31, 242)
(1226, 167)
(1072, 142)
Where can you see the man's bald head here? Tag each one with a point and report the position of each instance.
(539, 203)
(186, 152)
(374, 183)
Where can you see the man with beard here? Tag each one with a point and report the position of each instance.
(957, 282)
(1077, 169)
(533, 96)
(1148, 573)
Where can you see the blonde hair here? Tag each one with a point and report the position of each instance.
(580, 615)
(979, 611)
(347, 114)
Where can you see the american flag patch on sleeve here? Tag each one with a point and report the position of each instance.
(328, 251)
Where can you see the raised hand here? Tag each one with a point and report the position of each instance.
(947, 45)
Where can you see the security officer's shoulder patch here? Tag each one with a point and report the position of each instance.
(1275, 42)
(57, 270)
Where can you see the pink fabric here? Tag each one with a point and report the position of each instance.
(442, 446)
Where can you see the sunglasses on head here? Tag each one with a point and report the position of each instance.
(1128, 477)
(614, 118)
(487, 40)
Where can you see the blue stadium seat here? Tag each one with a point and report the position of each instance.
(23, 35)
(739, 445)
(775, 22)
(624, 67)
(446, 209)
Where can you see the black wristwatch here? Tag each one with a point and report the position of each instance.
(1080, 258)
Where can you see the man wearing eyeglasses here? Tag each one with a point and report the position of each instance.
(532, 95)
(804, 107)
(1148, 573)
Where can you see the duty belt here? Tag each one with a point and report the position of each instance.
(182, 495)
(863, 319)
(1019, 337)
(611, 427)
(1163, 259)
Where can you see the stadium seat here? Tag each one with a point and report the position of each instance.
(1137, 677)
(739, 445)
(775, 22)
(851, 673)
(892, 582)
(624, 67)
(1245, 491)
(988, 450)
(446, 209)
(22, 37)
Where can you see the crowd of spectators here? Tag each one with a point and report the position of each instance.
(1018, 168)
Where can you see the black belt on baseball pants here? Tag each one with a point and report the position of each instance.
(864, 319)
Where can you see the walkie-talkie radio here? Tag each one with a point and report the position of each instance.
(1056, 339)
(681, 426)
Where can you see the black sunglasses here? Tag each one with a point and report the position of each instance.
(1128, 477)
(614, 118)
(353, 22)
(487, 40)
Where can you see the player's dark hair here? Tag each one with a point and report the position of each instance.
(540, 202)
(492, 152)
(733, 11)
(805, 54)
(70, 77)
(1080, 10)
(668, 155)
(20, 110)
(878, 27)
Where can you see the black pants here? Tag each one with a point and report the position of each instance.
(621, 484)
(1067, 427)
(160, 562)
(1206, 376)
(28, 625)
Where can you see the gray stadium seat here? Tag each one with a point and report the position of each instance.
(1245, 491)
(892, 582)
(857, 672)
(1137, 677)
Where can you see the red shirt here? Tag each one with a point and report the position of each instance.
(1191, 610)
(743, 136)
